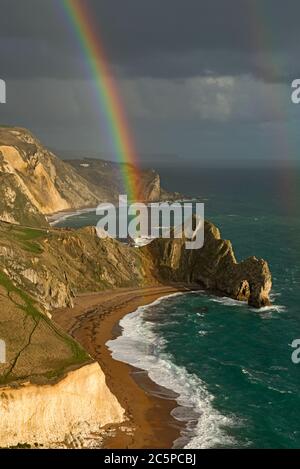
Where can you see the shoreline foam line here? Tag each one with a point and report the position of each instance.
(59, 217)
(204, 424)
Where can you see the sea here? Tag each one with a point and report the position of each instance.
(229, 364)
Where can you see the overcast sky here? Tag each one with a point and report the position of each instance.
(207, 80)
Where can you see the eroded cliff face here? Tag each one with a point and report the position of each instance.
(44, 268)
(109, 176)
(72, 409)
(214, 266)
(51, 390)
(35, 182)
(55, 265)
(149, 188)
(41, 400)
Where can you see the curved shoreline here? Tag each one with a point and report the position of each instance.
(93, 322)
(58, 217)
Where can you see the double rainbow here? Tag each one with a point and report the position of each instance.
(263, 35)
(109, 101)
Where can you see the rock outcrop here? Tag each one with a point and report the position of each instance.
(44, 268)
(45, 366)
(214, 266)
(55, 265)
(50, 388)
(149, 188)
(34, 182)
(109, 176)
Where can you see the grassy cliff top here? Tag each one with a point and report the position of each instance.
(36, 349)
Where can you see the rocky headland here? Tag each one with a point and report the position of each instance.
(35, 182)
(43, 268)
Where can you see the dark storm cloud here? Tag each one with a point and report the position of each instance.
(157, 38)
(203, 79)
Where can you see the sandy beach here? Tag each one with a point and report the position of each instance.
(92, 322)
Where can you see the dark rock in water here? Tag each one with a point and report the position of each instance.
(202, 310)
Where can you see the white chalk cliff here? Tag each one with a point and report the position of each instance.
(78, 404)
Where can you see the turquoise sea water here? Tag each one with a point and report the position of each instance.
(230, 364)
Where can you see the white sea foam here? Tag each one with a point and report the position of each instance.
(266, 310)
(141, 347)
(224, 300)
(265, 379)
(273, 295)
(202, 333)
(200, 315)
(62, 216)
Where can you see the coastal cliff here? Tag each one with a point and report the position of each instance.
(108, 176)
(36, 183)
(64, 413)
(55, 265)
(214, 267)
(51, 390)
(43, 268)
(44, 365)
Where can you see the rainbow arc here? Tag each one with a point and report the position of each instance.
(109, 101)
